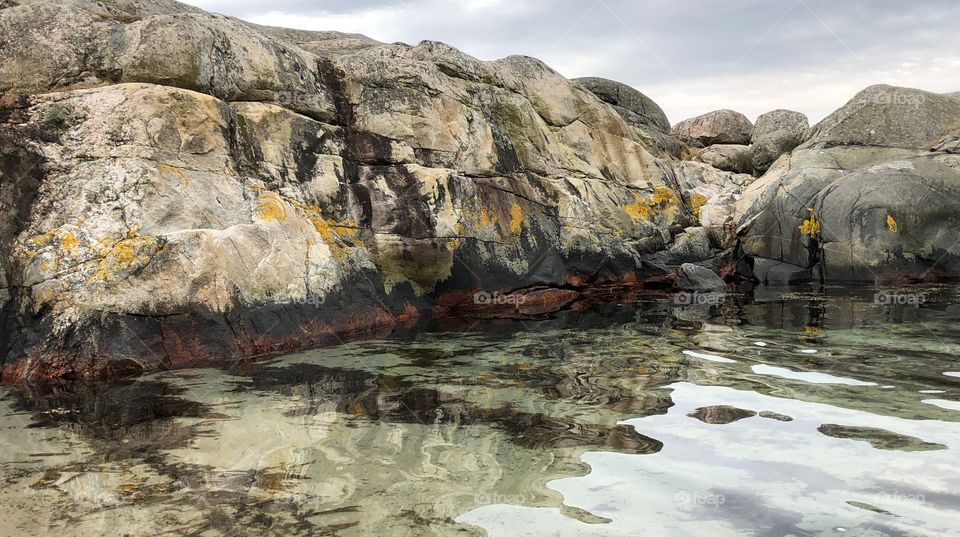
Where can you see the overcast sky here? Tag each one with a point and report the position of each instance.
(691, 57)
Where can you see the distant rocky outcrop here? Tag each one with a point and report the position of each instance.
(871, 196)
(776, 133)
(179, 188)
(719, 127)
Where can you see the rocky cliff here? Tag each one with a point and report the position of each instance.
(180, 188)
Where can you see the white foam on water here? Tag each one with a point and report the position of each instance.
(952, 374)
(943, 403)
(809, 351)
(808, 376)
(931, 391)
(760, 343)
(710, 357)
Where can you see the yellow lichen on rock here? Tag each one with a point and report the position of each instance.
(173, 170)
(271, 207)
(338, 236)
(892, 224)
(811, 226)
(124, 255)
(696, 203)
(485, 219)
(638, 210)
(516, 220)
(69, 242)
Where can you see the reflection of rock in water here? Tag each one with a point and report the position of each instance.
(119, 421)
(879, 438)
(721, 415)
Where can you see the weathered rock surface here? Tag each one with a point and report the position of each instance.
(887, 116)
(634, 106)
(638, 110)
(865, 199)
(718, 127)
(179, 188)
(728, 157)
(776, 133)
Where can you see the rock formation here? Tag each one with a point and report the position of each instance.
(638, 110)
(871, 196)
(776, 133)
(180, 188)
(719, 127)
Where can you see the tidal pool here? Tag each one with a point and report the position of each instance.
(808, 412)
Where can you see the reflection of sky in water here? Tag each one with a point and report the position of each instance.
(649, 421)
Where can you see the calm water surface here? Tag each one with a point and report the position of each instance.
(811, 412)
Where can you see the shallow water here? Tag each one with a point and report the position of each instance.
(814, 412)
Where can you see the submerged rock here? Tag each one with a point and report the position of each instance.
(696, 278)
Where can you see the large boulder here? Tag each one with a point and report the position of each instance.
(728, 157)
(179, 188)
(865, 199)
(888, 116)
(776, 133)
(719, 127)
(638, 110)
(635, 107)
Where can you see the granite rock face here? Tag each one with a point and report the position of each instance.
(871, 196)
(179, 188)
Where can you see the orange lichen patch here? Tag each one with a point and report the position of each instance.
(892, 224)
(173, 170)
(485, 219)
(516, 220)
(638, 210)
(271, 207)
(811, 226)
(454, 243)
